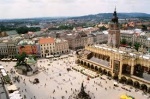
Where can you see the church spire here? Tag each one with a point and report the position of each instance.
(115, 18)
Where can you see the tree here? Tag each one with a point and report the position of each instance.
(144, 28)
(130, 43)
(102, 28)
(123, 41)
(21, 58)
(65, 27)
(137, 45)
(23, 30)
(32, 56)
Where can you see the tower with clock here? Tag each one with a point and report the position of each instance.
(114, 31)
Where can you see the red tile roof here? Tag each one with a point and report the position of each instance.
(46, 40)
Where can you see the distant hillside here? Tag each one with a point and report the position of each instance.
(109, 15)
(86, 17)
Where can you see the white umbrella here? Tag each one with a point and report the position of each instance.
(12, 87)
(16, 92)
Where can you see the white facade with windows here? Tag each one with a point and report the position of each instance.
(47, 46)
(51, 46)
(47, 49)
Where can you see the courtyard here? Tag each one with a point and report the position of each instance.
(56, 82)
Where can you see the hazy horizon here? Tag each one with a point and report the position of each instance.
(62, 16)
(18, 9)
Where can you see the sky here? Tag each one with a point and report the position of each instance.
(58, 8)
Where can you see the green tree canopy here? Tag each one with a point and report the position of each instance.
(144, 28)
(65, 27)
(123, 41)
(21, 58)
(130, 43)
(137, 45)
(102, 28)
(23, 30)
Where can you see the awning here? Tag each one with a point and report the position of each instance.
(12, 87)
(1, 67)
(14, 59)
(50, 56)
(55, 58)
(3, 72)
(115, 83)
(64, 56)
(15, 96)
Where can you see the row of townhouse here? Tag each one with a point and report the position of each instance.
(40, 47)
(51, 46)
(74, 39)
(7, 49)
(44, 46)
(79, 40)
(132, 36)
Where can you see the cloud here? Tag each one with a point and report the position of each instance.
(41, 8)
(63, 1)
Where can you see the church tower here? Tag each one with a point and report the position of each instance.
(114, 31)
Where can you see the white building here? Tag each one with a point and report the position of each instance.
(136, 36)
(50, 46)
(47, 46)
(99, 37)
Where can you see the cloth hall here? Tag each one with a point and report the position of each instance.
(121, 63)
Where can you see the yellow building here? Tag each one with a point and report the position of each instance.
(123, 64)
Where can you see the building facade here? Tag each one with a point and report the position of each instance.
(78, 40)
(52, 46)
(133, 37)
(99, 37)
(127, 67)
(128, 35)
(30, 47)
(47, 46)
(8, 49)
(114, 32)
(62, 46)
(123, 64)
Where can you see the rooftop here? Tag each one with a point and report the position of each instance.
(26, 42)
(46, 40)
(30, 61)
(13, 32)
(128, 51)
(100, 61)
(59, 40)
